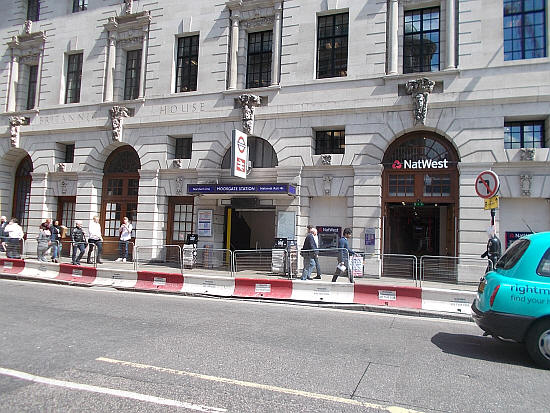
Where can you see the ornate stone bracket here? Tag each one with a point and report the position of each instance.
(118, 113)
(27, 26)
(15, 124)
(527, 154)
(61, 167)
(180, 185)
(128, 5)
(326, 159)
(525, 184)
(420, 89)
(327, 181)
(177, 163)
(249, 103)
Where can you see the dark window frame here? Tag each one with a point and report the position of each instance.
(330, 142)
(513, 254)
(543, 269)
(187, 63)
(33, 10)
(259, 56)
(515, 24)
(132, 74)
(409, 36)
(184, 147)
(80, 5)
(74, 77)
(509, 143)
(335, 40)
(32, 87)
(69, 152)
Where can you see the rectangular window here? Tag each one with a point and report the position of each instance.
(69, 153)
(401, 185)
(74, 77)
(33, 10)
(524, 29)
(183, 148)
(329, 142)
(183, 221)
(31, 91)
(187, 64)
(131, 78)
(529, 134)
(112, 219)
(437, 185)
(332, 46)
(421, 40)
(258, 69)
(80, 5)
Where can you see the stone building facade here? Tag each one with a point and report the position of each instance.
(117, 108)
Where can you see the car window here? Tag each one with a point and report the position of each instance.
(544, 264)
(513, 254)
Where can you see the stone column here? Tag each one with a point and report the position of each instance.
(367, 203)
(142, 72)
(88, 197)
(234, 51)
(149, 231)
(276, 64)
(450, 35)
(111, 61)
(14, 79)
(38, 79)
(393, 39)
(38, 210)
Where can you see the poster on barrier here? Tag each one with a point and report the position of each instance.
(357, 266)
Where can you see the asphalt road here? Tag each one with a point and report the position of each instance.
(72, 349)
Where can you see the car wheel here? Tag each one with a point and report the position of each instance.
(538, 343)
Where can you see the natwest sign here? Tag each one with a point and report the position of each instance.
(421, 164)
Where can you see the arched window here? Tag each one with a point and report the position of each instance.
(120, 190)
(260, 153)
(22, 192)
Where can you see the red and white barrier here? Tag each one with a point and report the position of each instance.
(449, 301)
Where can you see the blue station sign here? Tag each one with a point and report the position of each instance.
(241, 189)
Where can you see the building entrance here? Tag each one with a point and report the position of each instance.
(250, 229)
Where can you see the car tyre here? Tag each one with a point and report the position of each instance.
(538, 343)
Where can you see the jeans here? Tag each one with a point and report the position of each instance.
(123, 249)
(309, 264)
(56, 249)
(317, 266)
(78, 246)
(98, 246)
(13, 248)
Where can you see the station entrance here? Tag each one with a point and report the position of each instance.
(250, 228)
(420, 199)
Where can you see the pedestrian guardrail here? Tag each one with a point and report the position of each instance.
(325, 261)
(457, 270)
(205, 260)
(164, 258)
(260, 262)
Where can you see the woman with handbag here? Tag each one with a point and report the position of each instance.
(43, 241)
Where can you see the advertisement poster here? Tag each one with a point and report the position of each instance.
(356, 262)
(205, 222)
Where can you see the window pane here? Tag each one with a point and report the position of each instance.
(133, 69)
(332, 45)
(187, 63)
(421, 41)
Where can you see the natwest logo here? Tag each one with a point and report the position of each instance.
(421, 164)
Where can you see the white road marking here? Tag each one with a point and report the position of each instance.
(319, 396)
(105, 390)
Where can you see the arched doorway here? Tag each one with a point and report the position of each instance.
(22, 192)
(248, 224)
(120, 195)
(420, 196)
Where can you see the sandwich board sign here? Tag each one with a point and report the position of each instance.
(239, 154)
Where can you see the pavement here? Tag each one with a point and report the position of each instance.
(385, 294)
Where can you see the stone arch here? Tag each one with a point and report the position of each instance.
(261, 154)
(8, 167)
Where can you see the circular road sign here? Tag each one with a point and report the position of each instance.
(487, 184)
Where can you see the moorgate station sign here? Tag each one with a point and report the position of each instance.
(197, 189)
(421, 164)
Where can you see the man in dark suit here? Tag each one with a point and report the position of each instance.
(309, 253)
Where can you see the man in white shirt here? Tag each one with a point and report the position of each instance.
(95, 238)
(125, 232)
(15, 235)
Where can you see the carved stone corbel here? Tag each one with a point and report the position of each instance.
(118, 113)
(326, 159)
(525, 184)
(527, 154)
(15, 124)
(128, 6)
(61, 167)
(248, 103)
(177, 163)
(27, 26)
(327, 182)
(420, 89)
(179, 185)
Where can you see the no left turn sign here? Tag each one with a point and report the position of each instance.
(487, 184)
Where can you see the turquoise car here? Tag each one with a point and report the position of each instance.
(513, 300)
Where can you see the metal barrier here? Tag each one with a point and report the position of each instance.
(150, 258)
(209, 261)
(112, 254)
(31, 248)
(261, 262)
(327, 258)
(456, 270)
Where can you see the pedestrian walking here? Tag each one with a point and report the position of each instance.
(43, 241)
(308, 253)
(95, 239)
(125, 232)
(3, 237)
(344, 252)
(79, 242)
(55, 239)
(15, 235)
(313, 231)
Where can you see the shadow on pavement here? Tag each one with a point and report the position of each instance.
(483, 348)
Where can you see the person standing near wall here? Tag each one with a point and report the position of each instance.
(125, 232)
(308, 253)
(79, 242)
(43, 241)
(95, 238)
(55, 239)
(15, 235)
